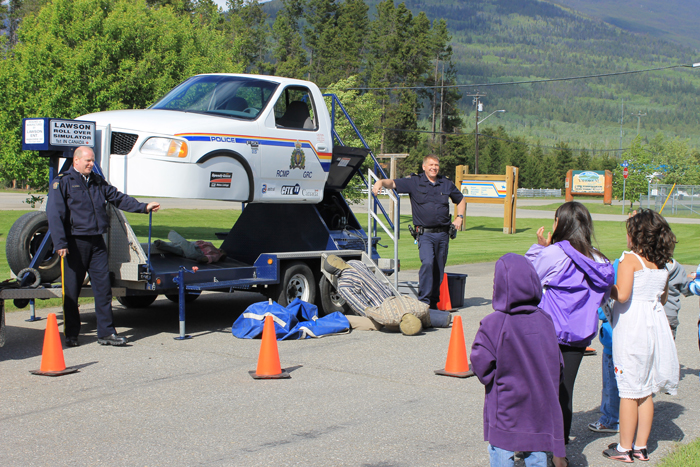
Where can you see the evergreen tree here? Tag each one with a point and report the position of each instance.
(459, 147)
(206, 12)
(533, 172)
(564, 162)
(550, 174)
(289, 53)
(346, 54)
(250, 34)
(319, 35)
(518, 154)
(583, 161)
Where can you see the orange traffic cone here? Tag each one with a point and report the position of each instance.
(269, 358)
(444, 304)
(457, 364)
(52, 362)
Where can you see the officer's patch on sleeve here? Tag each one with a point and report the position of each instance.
(55, 185)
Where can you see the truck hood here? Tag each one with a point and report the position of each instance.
(167, 122)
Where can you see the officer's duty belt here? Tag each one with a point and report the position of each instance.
(442, 228)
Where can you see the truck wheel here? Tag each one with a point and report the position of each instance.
(137, 301)
(297, 282)
(23, 241)
(189, 297)
(330, 299)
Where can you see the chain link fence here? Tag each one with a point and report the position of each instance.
(538, 193)
(684, 200)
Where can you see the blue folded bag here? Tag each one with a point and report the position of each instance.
(299, 320)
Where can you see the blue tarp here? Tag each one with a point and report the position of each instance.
(299, 320)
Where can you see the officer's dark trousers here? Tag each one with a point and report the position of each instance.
(87, 254)
(432, 248)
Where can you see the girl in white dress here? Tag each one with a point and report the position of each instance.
(644, 352)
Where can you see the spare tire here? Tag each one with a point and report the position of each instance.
(23, 241)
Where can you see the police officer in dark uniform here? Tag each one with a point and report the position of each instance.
(430, 194)
(77, 220)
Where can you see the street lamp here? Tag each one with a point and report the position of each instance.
(476, 156)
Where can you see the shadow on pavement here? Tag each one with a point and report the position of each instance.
(664, 428)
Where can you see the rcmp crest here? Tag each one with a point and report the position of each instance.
(298, 160)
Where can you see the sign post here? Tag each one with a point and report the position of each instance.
(624, 183)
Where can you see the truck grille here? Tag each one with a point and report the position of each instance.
(122, 143)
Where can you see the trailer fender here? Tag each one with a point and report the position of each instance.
(240, 159)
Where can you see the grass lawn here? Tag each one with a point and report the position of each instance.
(597, 208)
(482, 241)
(685, 455)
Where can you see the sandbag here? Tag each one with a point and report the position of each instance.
(299, 320)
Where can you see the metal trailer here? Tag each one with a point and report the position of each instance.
(274, 249)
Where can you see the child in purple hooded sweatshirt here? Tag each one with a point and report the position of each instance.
(516, 356)
(576, 278)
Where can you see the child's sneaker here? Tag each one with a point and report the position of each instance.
(614, 454)
(600, 428)
(640, 454)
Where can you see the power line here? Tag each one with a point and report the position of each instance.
(509, 83)
(524, 143)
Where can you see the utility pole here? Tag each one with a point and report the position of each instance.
(479, 107)
(622, 116)
(639, 118)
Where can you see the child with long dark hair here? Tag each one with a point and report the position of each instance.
(644, 351)
(576, 278)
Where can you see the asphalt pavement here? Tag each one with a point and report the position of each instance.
(358, 399)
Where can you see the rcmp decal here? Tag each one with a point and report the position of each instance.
(298, 160)
(290, 190)
(220, 179)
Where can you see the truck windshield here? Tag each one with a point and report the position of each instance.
(222, 95)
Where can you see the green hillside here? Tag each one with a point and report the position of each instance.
(515, 40)
(674, 20)
(519, 40)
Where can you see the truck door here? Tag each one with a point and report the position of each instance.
(297, 157)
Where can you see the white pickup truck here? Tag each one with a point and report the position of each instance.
(257, 139)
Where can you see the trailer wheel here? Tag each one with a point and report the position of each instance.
(330, 299)
(189, 297)
(23, 241)
(297, 282)
(137, 301)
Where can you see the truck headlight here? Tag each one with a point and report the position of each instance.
(165, 147)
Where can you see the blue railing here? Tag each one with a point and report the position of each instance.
(335, 102)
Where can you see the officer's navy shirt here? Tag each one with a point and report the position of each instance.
(79, 208)
(429, 202)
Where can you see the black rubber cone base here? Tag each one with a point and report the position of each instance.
(67, 371)
(462, 374)
(283, 375)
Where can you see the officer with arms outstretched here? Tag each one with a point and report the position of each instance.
(430, 194)
(77, 212)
